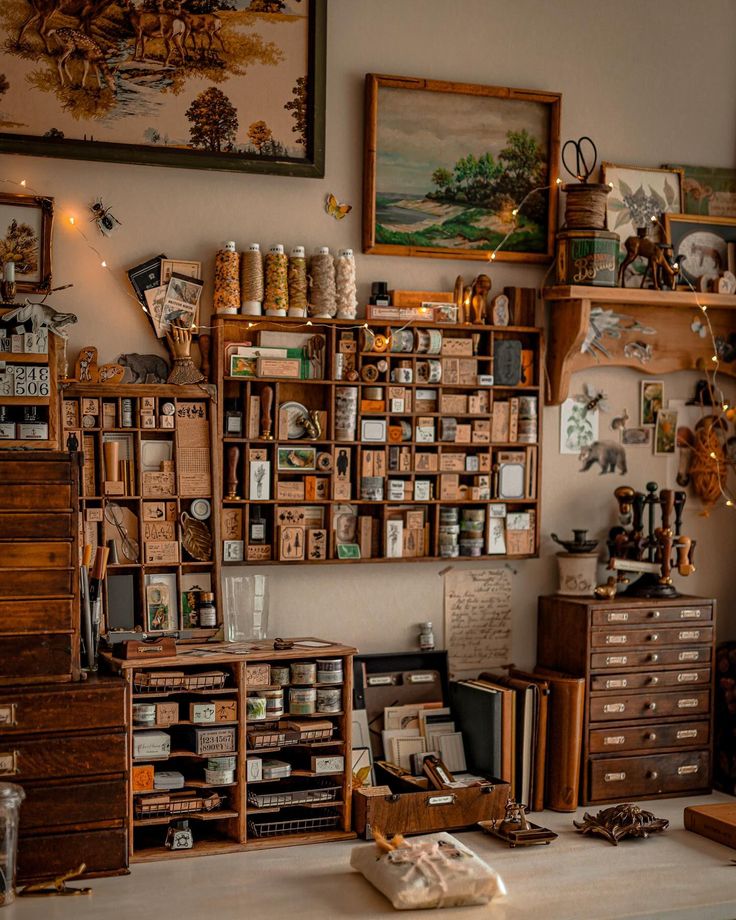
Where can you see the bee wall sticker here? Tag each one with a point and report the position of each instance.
(104, 218)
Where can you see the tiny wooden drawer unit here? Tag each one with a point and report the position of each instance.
(648, 665)
(65, 744)
(39, 554)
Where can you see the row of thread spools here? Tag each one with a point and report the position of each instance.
(281, 285)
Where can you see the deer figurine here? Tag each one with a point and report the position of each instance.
(72, 42)
(168, 26)
(658, 265)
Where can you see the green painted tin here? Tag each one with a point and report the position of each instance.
(588, 257)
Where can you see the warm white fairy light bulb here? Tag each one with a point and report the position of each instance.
(103, 264)
(72, 220)
(23, 183)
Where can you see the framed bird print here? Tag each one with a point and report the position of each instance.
(459, 171)
(214, 84)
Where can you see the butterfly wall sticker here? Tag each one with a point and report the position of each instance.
(335, 209)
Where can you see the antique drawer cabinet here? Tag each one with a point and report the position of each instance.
(39, 554)
(648, 666)
(66, 746)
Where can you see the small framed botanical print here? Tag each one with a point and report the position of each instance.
(25, 240)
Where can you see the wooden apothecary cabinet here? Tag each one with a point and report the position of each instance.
(648, 666)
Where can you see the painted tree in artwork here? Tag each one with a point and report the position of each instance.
(214, 121)
(260, 135)
(298, 108)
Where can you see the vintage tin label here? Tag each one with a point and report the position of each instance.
(618, 617)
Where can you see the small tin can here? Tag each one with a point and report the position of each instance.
(329, 671)
(255, 708)
(144, 713)
(280, 676)
(329, 699)
(303, 672)
(126, 419)
(302, 701)
(219, 777)
(221, 763)
(274, 703)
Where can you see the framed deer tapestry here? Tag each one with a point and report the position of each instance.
(215, 84)
(458, 171)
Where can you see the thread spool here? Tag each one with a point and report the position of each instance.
(345, 285)
(322, 272)
(297, 278)
(585, 207)
(276, 298)
(226, 298)
(251, 281)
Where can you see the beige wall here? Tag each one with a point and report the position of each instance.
(650, 82)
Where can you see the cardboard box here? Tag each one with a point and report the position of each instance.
(142, 777)
(153, 745)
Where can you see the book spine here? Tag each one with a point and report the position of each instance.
(706, 826)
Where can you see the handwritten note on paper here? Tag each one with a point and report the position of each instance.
(477, 619)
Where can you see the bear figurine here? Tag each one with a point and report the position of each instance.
(609, 454)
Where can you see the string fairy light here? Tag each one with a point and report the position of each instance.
(714, 389)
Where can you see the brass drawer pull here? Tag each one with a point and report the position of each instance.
(614, 777)
(650, 706)
(650, 736)
(653, 679)
(8, 716)
(653, 637)
(9, 764)
(687, 769)
(687, 733)
(655, 614)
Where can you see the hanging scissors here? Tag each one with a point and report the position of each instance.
(586, 156)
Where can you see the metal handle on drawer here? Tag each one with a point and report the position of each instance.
(9, 764)
(653, 637)
(441, 800)
(654, 657)
(8, 717)
(650, 736)
(650, 706)
(652, 774)
(655, 614)
(653, 679)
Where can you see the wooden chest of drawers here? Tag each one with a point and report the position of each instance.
(39, 558)
(648, 666)
(65, 744)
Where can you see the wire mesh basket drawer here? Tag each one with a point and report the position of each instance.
(294, 824)
(167, 681)
(326, 793)
(163, 805)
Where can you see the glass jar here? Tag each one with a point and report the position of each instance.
(426, 637)
(11, 797)
(207, 611)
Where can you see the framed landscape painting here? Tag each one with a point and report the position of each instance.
(214, 84)
(458, 171)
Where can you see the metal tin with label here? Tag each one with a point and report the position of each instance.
(280, 676)
(274, 703)
(302, 701)
(303, 672)
(329, 699)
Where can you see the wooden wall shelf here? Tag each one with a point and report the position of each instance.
(410, 472)
(674, 344)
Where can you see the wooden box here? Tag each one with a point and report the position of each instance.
(376, 807)
(213, 740)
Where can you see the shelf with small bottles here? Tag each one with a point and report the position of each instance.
(148, 494)
(394, 423)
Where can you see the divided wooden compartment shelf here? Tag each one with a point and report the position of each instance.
(309, 806)
(644, 319)
(29, 380)
(384, 486)
(160, 474)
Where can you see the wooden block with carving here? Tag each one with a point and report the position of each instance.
(161, 553)
(316, 544)
(291, 543)
(231, 523)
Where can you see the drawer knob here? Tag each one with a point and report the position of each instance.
(653, 637)
(650, 706)
(653, 679)
(652, 774)
(654, 614)
(654, 657)
(650, 736)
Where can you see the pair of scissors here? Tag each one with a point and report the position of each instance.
(586, 156)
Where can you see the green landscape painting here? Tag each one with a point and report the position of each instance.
(454, 172)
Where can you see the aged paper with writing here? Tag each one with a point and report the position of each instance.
(477, 619)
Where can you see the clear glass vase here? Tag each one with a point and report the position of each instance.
(11, 797)
(246, 607)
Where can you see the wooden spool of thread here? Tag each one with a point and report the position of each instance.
(345, 285)
(227, 280)
(322, 300)
(297, 277)
(251, 281)
(585, 208)
(276, 299)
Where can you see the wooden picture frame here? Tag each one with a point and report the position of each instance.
(206, 119)
(651, 400)
(665, 433)
(26, 222)
(405, 109)
(702, 241)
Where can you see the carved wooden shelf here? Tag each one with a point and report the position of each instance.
(674, 344)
